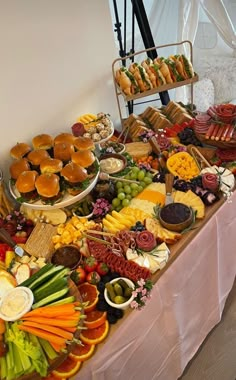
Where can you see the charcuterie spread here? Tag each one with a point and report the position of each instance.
(97, 226)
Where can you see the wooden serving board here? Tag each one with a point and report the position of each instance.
(56, 362)
(218, 144)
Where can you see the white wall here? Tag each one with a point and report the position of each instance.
(55, 64)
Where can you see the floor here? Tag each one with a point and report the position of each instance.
(216, 358)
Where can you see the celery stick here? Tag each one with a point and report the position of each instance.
(48, 349)
(17, 360)
(25, 360)
(3, 366)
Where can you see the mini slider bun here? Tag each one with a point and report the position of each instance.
(84, 158)
(64, 138)
(35, 157)
(63, 151)
(19, 166)
(51, 165)
(20, 150)
(25, 184)
(84, 143)
(42, 141)
(48, 187)
(74, 176)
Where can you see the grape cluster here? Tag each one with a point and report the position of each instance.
(187, 136)
(197, 181)
(159, 177)
(126, 191)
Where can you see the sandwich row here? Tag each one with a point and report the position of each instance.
(151, 74)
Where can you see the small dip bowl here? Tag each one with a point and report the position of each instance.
(67, 255)
(176, 216)
(112, 163)
(123, 305)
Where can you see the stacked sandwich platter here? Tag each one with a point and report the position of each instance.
(53, 172)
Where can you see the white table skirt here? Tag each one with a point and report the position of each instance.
(187, 302)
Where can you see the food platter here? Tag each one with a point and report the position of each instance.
(60, 359)
(66, 201)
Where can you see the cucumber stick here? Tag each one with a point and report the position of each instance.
(51, 288)
(46, 276)
(50, 283)
(52, 297)
(37, 275)
(63, 301)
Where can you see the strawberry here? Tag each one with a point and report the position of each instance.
(102, 269)
(93, 278)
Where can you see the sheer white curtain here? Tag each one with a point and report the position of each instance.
(219, 16)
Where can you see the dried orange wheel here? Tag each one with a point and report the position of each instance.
(95, 318)
(68, 368)
(89, 293)
(95, 336)
(82, 351)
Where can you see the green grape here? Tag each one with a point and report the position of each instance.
(127, 189)
(135, 169)
(133, 175)
(125, 202)
(127, 176)
(119, 184)
(129, 196)
(115, 202)
(140, 188)
(120, 190)
(134, 193)
(149, 174)
(141, 175)
(147, 180)
(121, 196)
(118, 208)
(134, 186)
(143, 184)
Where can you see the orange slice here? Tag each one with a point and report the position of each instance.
(67, 368)
(89, 293)
(82, 351)
(95, 318)
(95, 336)
(53, 377)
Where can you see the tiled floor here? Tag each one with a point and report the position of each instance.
(216, 358)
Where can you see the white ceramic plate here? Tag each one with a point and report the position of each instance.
(66, 201)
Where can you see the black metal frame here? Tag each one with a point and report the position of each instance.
(138, 12)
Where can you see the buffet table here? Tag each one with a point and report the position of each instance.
(187, 301)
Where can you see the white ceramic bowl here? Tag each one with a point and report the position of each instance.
(124, 305)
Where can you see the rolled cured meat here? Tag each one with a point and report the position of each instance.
(146, 241)
(210, 181)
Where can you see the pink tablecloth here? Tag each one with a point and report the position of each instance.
(187, 302)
